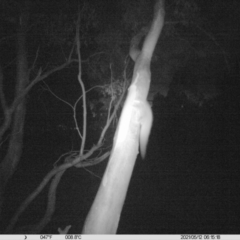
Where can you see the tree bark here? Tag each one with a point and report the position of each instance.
(134, 125)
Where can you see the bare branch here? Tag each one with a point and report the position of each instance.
(69, 104)
(109, 120)
(82, 87)
(34, 62)
(2, 95)
(78, 162)
(51, 202)
(75, 118)
(37, 79)
(217, 44)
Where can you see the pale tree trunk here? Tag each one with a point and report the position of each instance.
(11, 160)
(134, 126)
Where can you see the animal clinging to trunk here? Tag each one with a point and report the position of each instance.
(142, 72)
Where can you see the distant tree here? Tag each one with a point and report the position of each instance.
(59, 39)
(14, 90)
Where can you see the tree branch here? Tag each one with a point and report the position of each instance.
(82, 87)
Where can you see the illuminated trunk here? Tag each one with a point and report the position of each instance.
(134, 126)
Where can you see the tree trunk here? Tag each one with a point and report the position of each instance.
(134, 125)
(11, 160)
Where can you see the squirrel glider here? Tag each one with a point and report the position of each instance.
(136, 108)
(142, 72)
